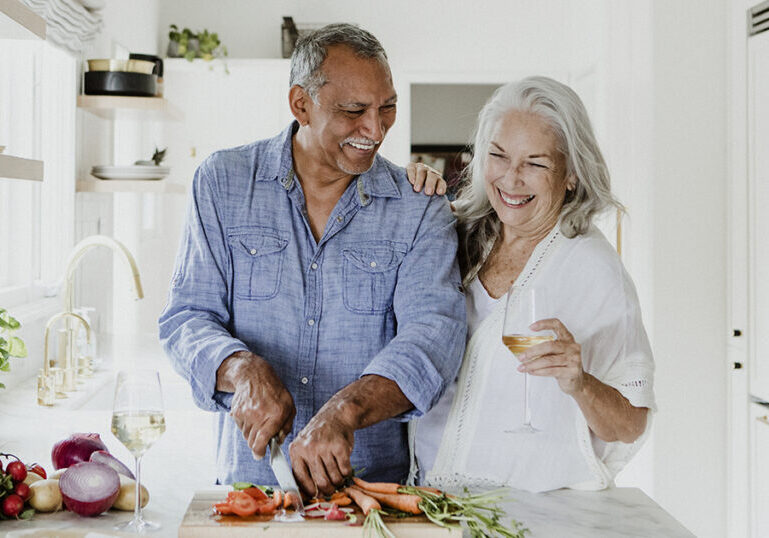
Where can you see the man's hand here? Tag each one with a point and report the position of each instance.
(261, 406)
(420, 175)
(320, 454)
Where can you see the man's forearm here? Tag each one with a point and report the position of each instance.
(609, 414)
(234, 368)
(368, 400)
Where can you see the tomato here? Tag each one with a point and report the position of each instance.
(256, 493)
(17, 471)
(242, 504)
(223, 508)
(37, 469)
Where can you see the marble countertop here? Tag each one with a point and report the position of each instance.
(182, 462)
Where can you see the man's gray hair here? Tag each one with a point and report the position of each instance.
(311, 50)
(562, 108)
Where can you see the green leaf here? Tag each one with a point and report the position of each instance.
(2, 386)
(13, 322)
(3, 323)
(190, 55)
(5, 345)
(27, 514)
(5, 366)
(17, 347)
(3, 357)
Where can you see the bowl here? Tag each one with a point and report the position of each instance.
(120, 83)
(125, 66)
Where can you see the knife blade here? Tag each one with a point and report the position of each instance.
(283, 473)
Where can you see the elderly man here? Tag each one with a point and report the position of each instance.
(316, 295)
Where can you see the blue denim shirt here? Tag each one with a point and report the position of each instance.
(379, 293)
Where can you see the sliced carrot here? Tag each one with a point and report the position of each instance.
(378, 487)
(429, 489)
(399, 501)
(344, 500)
(365, 501)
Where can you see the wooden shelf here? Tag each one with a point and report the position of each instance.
(158, 186)
(107, 106)
(17, 21)
(18, 168)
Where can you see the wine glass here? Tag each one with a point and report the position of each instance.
(137, 422)
(523, 307)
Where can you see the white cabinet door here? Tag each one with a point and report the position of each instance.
(758, 174)
(759, 470)
(222, 110)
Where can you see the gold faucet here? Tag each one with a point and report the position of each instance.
(53, 382)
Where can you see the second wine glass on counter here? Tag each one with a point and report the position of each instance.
(138, 421)
(524, 306)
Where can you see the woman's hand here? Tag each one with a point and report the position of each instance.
(420, 175)
(560, 358)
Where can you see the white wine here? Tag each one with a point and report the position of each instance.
(138, 430)
(518, 343)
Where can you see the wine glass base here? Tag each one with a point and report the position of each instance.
(140, 526)
(525, 428)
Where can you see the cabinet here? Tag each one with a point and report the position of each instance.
(758, 195)
(759, 462)
(17, 21)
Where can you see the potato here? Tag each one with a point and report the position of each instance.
(45, 496)
(31, 478)
(126, 497)
(57, 474)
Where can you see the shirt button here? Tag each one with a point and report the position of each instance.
(253, 251)
(305, 381)
(314, 266)
(340, 219)
(311, 322)
(373, 264)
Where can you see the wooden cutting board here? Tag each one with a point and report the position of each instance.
(201, 522)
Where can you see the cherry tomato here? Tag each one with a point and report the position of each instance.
(223, 508)
(12, 505)
(17, 471)
(37, 469)
(22, 490)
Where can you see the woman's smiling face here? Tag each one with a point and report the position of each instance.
(526, 174)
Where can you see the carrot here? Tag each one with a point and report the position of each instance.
(377, 487)
(342, 500)
(400, 501)
(366, 502)
(429, 489)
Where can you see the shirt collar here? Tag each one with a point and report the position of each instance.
(378, 181)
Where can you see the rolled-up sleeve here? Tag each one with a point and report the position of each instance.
(429, 307)
(193, 325)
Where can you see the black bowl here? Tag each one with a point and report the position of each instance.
(120, 83)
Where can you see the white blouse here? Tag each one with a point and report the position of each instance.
(465, 441)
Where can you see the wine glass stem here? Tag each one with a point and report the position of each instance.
(138, 493)
(526, 409)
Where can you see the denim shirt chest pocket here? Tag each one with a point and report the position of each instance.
(370, 271)
(257, 259)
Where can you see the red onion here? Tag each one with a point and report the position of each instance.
(89, 488)
(102, 456)
(76, 448)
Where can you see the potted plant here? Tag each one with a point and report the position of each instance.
(10, 346)
(182, 44)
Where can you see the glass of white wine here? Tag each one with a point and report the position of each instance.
(524, 306)
(137, 422)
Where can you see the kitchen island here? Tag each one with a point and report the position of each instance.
(182, 461)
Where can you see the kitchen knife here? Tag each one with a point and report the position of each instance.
(283, 473)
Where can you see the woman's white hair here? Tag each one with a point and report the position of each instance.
(562, 108)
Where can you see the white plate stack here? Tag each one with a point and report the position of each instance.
(134, 171)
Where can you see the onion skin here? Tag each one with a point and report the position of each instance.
(102, 456)
(77, 448)
(78, 488)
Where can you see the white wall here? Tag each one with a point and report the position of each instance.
(689, 239)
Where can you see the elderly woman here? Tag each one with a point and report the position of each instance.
(525, 214)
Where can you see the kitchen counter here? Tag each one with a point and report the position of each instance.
(182, 461)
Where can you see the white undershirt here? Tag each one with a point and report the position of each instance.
(479, 305)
